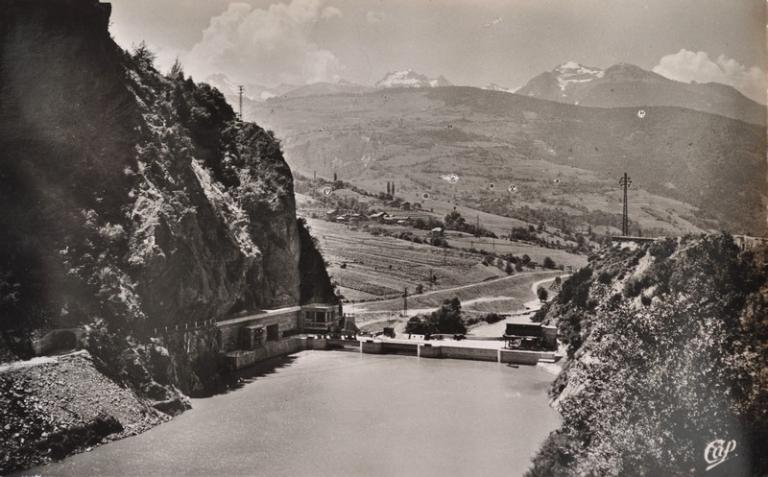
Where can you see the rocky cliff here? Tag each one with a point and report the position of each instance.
(133, 200)
(666, 353)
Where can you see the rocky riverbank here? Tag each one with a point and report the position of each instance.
(55, 406)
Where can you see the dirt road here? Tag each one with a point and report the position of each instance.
(499, 295)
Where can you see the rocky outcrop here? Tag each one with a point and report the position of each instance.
(667, 352)
(132, 201)
(54, 406)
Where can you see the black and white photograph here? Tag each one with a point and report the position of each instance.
(383, 238)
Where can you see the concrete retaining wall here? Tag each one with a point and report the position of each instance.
(373, 347)
(475, 354)
(429, 351)
(519, 357)
(331, 343)
(483, 354)
(244, 358)
(230, 333)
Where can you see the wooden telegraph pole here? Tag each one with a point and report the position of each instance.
(625, 182)
(240, 90)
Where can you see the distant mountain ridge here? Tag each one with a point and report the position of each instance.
(411, 79)
(251, 91)
(627, 85)
(259, 93)
(699, 171)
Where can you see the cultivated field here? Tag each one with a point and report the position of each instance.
(367, 267)
(503, 247)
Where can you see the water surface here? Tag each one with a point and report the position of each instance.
(337, 413)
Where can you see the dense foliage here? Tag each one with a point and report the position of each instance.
(446, 319)
(668, 350)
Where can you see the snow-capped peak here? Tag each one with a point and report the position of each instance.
(495, 87)
(410, 79)
(572, 72)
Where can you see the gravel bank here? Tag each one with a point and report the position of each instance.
(57, 406)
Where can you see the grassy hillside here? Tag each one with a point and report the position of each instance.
(692, 171)
(666, 353)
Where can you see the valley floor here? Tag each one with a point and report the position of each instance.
(368, 268)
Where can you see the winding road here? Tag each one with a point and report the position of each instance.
(383, 311)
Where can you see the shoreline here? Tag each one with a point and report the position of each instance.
(60, 406)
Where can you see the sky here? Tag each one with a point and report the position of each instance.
(470, 42)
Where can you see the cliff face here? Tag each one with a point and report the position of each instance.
(132, 200)
(666, 353)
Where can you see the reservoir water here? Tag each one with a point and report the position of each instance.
(337, 413)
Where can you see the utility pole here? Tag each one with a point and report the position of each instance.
(240, 90)
(625, 182)
(405, 301)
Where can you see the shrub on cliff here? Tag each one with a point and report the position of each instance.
(576, 288)
(134, 199)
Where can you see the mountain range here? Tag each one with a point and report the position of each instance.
(256, 92)
(692, 171)
(621, 85)
(695, 151)
(625, 85)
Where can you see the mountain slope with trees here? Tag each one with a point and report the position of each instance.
(667, 351)
(134, 201)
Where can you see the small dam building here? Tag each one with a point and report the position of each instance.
(531, 334)
(253, 337)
